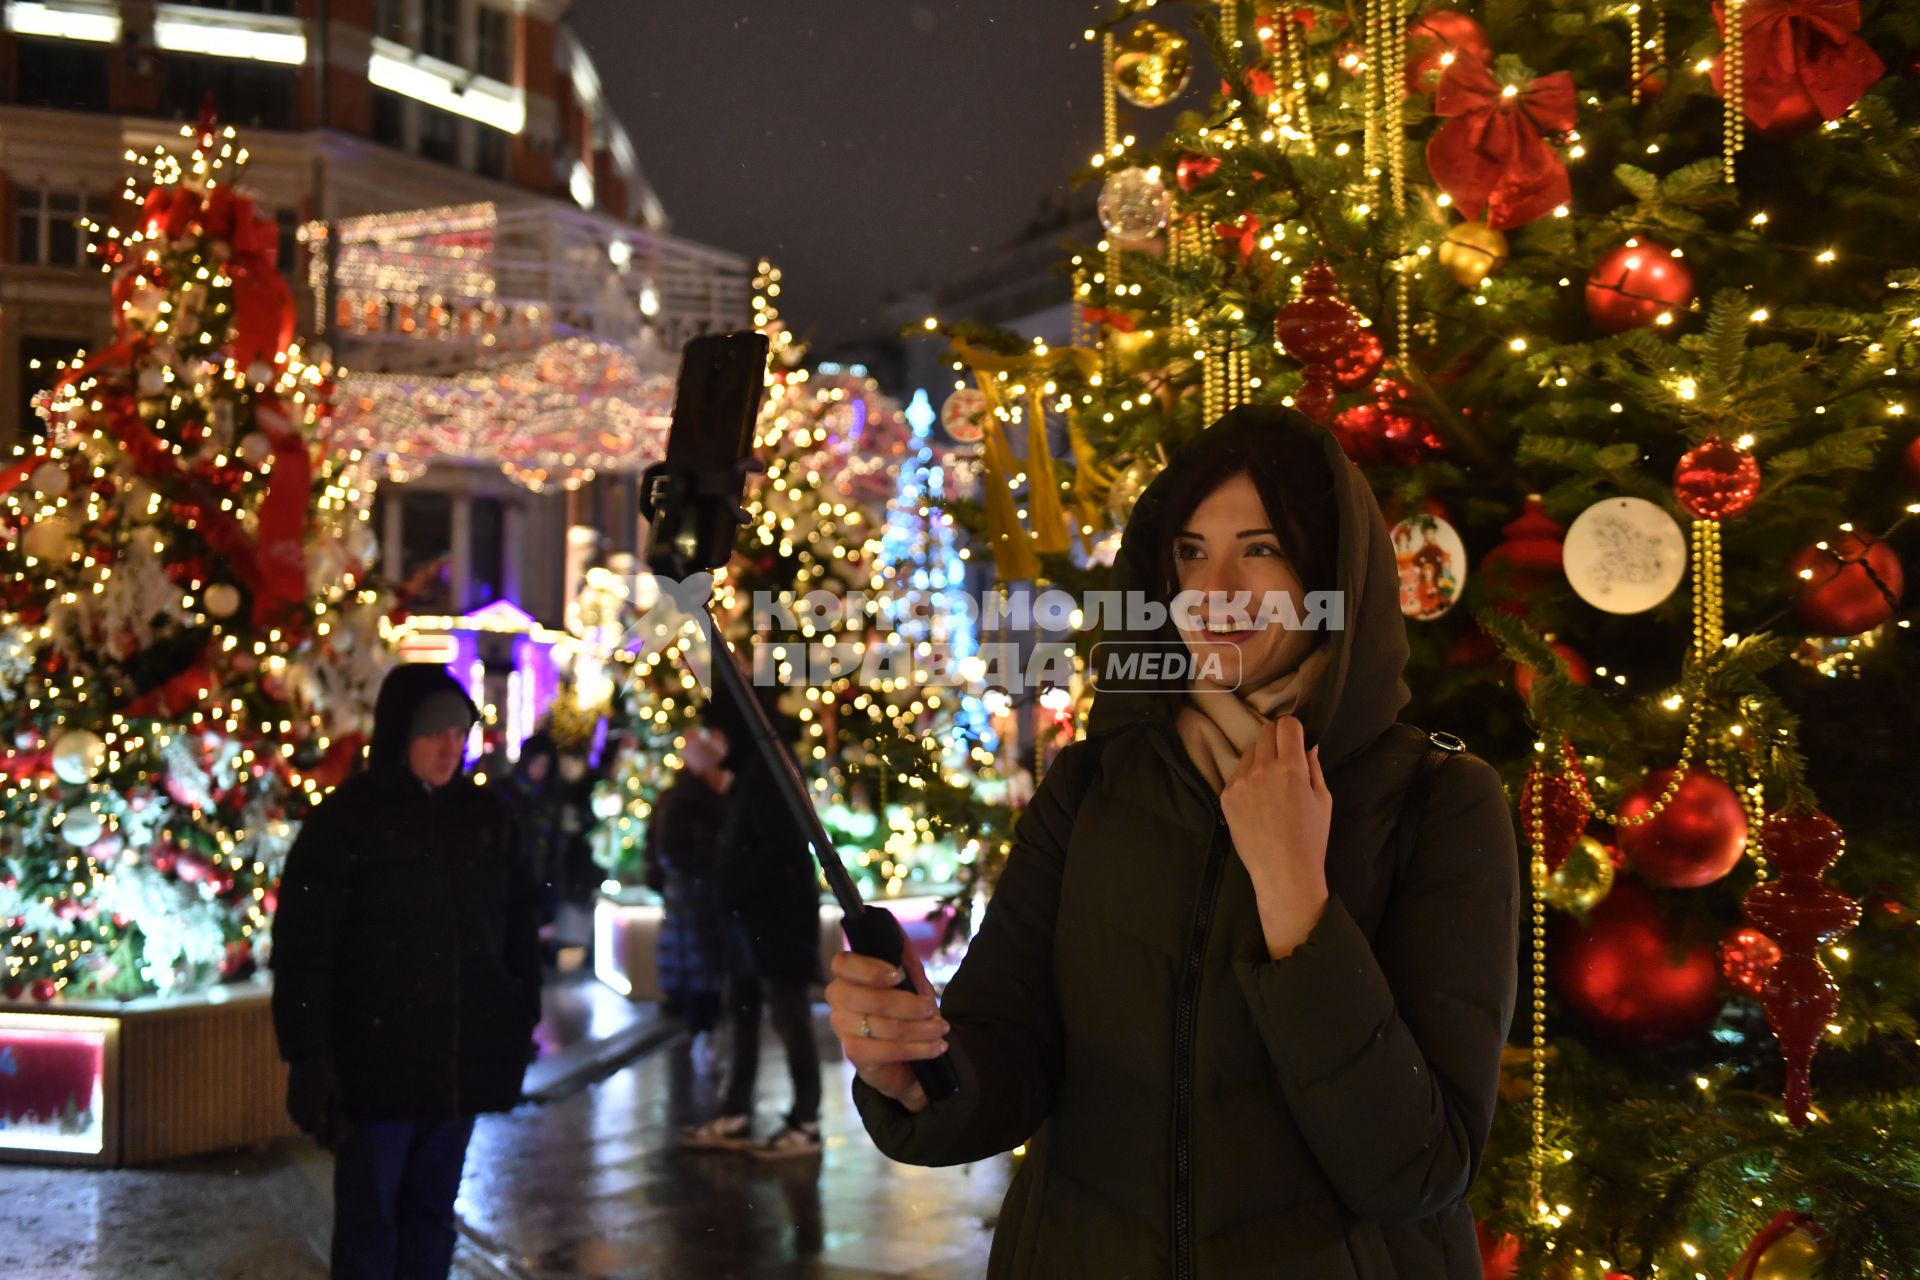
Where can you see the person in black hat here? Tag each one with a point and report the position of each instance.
(406, 978)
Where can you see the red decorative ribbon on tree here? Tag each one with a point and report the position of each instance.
(1801, 62)
(1491, 156)
(280, 562)
(1240, 238)
(1119, 321)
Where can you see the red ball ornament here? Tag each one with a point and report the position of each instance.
(1577, 671)
(1194, 170)
(1629, 979)
(1563, 818)
(1694, 841)
(1435, 39)
(44, 989)
(1912, 458)
(1359, 365)
(1851, 583)
(1409, 435)
(1360, 432)
(1715, 480)
(1636, 284)
(1746, 954)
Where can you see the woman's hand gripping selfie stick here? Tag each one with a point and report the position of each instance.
(692, 502)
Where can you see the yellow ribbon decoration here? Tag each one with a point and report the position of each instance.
(1013, 555)
(1013, 545)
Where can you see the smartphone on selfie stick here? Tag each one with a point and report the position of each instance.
(692, 501)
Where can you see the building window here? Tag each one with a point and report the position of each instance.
(426, 541)
(285, 7)
(390, 20)
(486, 553)
(289, 223)
(256, 94)
(492, 154)
(440, 29)
(389, 118)
(47, 231)
(62, 73)
(494, 44)
(439, 136)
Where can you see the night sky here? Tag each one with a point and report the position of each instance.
(866, 146)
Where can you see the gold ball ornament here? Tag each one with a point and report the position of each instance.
(255, 449)
(221, 599)
(49, 540)
(1582, 880)
(1128, 347)
(1128, 486)
(1151, 65)
(78, 755)
(51, 480)
(1798, 1255)
(1472, 252)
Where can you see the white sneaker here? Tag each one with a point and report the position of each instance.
(722, 1133)
(793, 1140)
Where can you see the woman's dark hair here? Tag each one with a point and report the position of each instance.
(1289, 472)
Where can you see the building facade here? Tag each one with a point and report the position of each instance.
(350, 109)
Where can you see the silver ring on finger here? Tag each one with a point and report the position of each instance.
(866, 1028)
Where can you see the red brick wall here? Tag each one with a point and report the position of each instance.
(535, 74)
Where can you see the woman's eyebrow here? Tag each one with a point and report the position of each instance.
(1244, 533)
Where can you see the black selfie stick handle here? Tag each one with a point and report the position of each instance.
(871, 931)
(874, 932)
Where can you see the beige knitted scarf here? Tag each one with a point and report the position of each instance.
(1218, 725)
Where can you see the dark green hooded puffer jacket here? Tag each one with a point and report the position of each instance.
(1196, 1109)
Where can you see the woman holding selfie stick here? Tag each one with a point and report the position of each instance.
(1245, 979)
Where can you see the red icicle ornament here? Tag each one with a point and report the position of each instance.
(1317, 329)
(1801, 914)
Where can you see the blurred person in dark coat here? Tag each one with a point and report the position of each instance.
(773, 897)
(406, 978)
(683, 866)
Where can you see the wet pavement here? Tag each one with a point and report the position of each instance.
(594, 1185)
(590, 1185)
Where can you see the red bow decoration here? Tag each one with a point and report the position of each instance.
(1491, 156)
(1242, 237)
(1802, 62)
(11, 478)
(1259, 82)
(262, 304)
(1119, 321)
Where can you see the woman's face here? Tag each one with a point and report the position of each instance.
(706, 748)
(1228, 546)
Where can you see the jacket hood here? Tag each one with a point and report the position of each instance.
(401, 693)
(1362, 687)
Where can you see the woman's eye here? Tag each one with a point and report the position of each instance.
(1263, 549)
(1187, 551)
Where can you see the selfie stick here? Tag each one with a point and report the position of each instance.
(692, 501)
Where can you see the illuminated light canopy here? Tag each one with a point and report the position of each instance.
(396, 68)
(253, 37)
(97, 23)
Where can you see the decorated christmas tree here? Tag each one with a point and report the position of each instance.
(1609, 301)
(188, 642)
(845, 514)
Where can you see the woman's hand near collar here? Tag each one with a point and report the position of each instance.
(1279, 810)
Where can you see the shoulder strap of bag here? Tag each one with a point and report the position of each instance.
(1413, 800)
